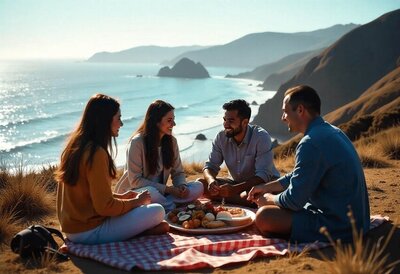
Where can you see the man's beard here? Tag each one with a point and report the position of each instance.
(234, 132)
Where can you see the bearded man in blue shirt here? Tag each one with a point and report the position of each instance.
(326, 182)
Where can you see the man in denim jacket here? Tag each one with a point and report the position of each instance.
(326, 182)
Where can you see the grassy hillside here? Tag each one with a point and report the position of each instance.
(343, 71)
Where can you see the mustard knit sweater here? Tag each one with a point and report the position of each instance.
(90, 201)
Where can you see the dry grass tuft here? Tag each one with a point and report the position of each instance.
(8, 228)
(4, 178)
(196, 168)
(371, 158)
(376, 151)
(5, 175)
(390, 143)
(359, 257)
(193, 168)
(26, 198)
(46, 177)
(48, 263)
(295, 254)
(284, 164)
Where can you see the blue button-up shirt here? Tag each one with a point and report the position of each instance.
(253, 157)
(328, 175)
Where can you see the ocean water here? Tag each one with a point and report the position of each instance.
(42, 101)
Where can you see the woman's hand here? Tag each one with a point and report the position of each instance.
(130, 194)
(183, 191)
(144, 198)
(174, 191)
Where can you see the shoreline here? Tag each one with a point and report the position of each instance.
(33, 158)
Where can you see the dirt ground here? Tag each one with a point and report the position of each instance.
(384, 194)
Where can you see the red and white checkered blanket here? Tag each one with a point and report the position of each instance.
(185, 252)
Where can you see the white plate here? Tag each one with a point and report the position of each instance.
(220, 230)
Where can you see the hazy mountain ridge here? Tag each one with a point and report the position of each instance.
(142, 54)
(275, 80)
(257, 49)
(262, 72)
(343, 71)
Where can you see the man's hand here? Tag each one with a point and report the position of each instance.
(266, 199)
(213, 188)
(256, 192)
(226, 190)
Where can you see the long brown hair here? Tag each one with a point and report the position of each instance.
(92, 132)
(151, 135)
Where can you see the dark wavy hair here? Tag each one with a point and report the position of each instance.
(92, 132)
(242, 107)
(151, 135)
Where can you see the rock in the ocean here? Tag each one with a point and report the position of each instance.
(201, 137)
(185, 68)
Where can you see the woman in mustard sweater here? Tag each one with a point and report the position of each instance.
(88, 211)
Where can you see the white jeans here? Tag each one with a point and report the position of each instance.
(168, 201)
(123, 227)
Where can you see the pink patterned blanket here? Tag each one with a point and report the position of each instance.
(186, 252)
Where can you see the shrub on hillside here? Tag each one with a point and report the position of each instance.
(8, 228)
(382, 145)
(390, 143)
(193, 168)
(284, 164)
(4, 178)
(371, 159)
(27, 198)
(46, 177)
(355, 128)
(287, 149)
(385, 121)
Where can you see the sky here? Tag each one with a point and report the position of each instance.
(76, 29)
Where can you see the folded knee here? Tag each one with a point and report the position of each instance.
(272, 219)
(157, 211)
(197, 188)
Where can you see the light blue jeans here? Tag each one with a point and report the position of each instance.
(168, 201)
(123, 227)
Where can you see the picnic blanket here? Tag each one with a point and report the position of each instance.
(177, 251)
